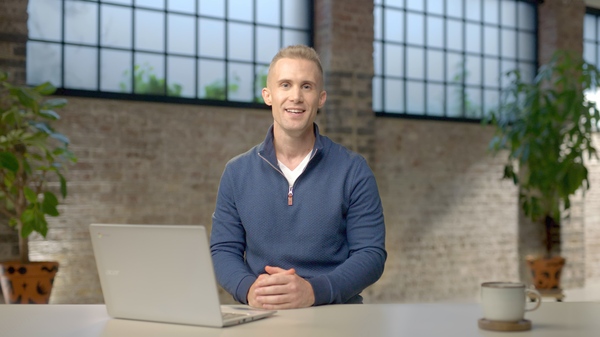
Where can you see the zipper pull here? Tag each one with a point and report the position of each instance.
(290, 196)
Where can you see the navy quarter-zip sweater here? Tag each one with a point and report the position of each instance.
(329, 226)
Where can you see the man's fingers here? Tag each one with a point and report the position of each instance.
(276, 270)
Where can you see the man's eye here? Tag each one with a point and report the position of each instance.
(306, 86)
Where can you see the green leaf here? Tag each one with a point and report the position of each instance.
(54, 103)
(49, 204)
(27, 222)
(30, 195)
(9, 161)
(45, 88)
(63, 185)
(50, 114)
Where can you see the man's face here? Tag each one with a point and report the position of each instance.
(295, 93)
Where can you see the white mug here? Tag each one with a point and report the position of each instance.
(507, 301)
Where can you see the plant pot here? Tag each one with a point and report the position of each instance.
(29, 283)
(546, 272)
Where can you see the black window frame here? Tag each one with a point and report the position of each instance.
(62, 90)
(445, 82)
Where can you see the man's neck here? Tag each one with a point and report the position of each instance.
(292, 149)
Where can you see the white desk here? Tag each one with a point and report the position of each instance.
(581, 319)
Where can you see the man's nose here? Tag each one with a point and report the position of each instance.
(296, 95)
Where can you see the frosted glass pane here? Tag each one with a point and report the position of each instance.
(415, 5)
(454, 35)
(509, 43)
(149, 30)
(506, 67)
(267, 43)
(455, 67)
(81, 68)
(268, 12)
(211, 79)
(473, 38)
(508, 11)
(526, 13)
(291, 37)
(415, 98)
(81, 22)
(115, 71)
(44, 19)
(150, 68)
(122, 2)
(527, 46)
(491, 9)
(260, 82)
(473, 70)
(242, 78)
(240, 10)
(214, 8)
(43, 63)
(394, 93)
(490, 41)
(454, 9)
(527, 71)
(377, 61)
(491, 72)
(435, 99)
(491, 101)
(435, 32)
(181, 79)
(180, 34)
(435, 65)
(377, 91)
(589, 27)
(295, 14)
(185, 6)
(435, 7)
(473, 10)
(454, 94)
(377, 14)
(115, 26)
(416, 32)
(394, 3)
(472, 103)
(240, 41)
(589, 52)
(415, 63)
(394, 60)
(394, 26)
(156, 4)
(212, 38)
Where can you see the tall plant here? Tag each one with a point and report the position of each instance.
(545, 128)
(31, 152)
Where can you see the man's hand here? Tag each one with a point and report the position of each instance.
(280, 289)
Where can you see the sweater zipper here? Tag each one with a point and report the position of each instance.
(290, 195)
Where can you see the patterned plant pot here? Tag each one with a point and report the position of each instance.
(546, 272)
(29, 283)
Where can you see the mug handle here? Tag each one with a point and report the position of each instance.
(535, 294)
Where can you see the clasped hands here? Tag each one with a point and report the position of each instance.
(280, 288)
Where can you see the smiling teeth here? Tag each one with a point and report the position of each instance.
(294, 111)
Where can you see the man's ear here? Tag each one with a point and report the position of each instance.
(322, 98)
(266, 95)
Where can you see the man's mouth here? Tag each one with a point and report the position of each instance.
(295, 111)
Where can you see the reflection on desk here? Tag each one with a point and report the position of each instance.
(581, 319)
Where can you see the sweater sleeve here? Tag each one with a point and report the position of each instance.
(227, 243)
(366, 241)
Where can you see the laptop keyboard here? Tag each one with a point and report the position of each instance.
(230, 315)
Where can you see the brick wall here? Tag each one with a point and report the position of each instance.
(451, 222)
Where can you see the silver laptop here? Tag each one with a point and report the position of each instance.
(162, 273)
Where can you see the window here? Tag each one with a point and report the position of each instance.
(445, 59)
(591, 47)
(216, 50)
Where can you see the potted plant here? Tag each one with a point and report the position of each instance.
(545, 129)
(32, 154)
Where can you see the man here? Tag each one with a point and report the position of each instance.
(298, 220)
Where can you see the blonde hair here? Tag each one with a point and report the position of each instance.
(298, 51)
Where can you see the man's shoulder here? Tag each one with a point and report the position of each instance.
(340, 152)
(245, 157)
